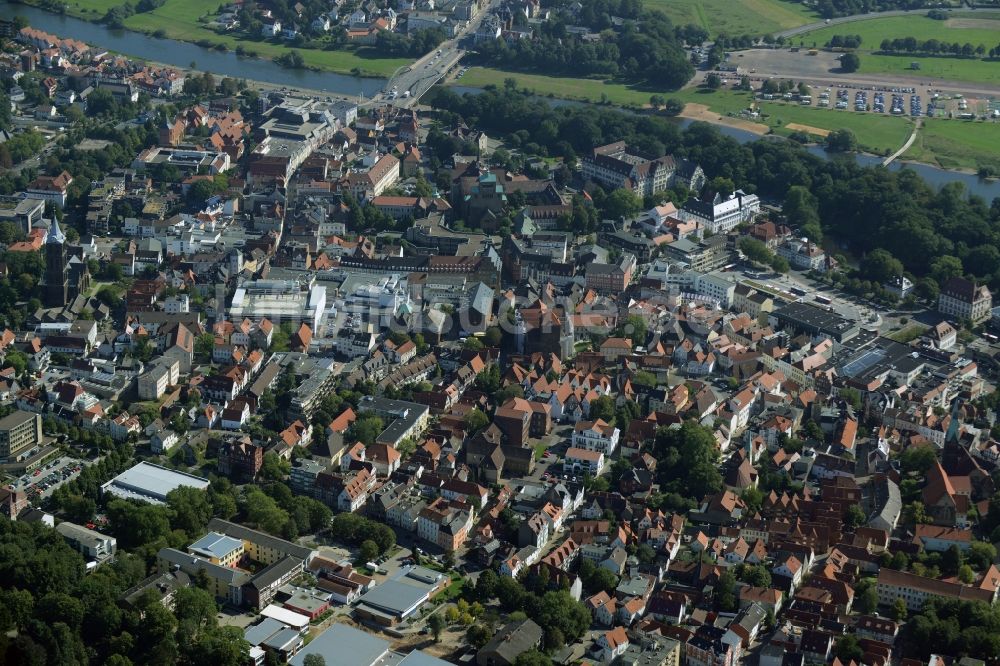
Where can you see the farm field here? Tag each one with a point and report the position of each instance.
(735, 17)
(957, 144)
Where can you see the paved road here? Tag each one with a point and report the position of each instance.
(427, 70)
(855, 17)
(906, 146)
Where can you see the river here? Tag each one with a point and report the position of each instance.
(181, 54)
(935, 176)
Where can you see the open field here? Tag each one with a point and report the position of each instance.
(982, 29)
(957, 144)
(735, 17)
(879, 134)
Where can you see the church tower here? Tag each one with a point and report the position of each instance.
(56, 279)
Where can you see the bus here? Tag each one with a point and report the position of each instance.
(823, 300)
(797, 291)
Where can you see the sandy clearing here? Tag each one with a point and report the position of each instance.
(694, 111)
(809, 129)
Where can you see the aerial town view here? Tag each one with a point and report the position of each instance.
(499, 332)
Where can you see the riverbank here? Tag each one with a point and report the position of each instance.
(181, 55)
(181, 20)
(963, 146)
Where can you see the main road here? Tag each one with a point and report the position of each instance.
(430, 68)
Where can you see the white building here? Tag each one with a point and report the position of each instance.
(596, 436)
(721, 214)
(279, 301)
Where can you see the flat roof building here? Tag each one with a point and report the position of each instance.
(400, 596)
(813, 320)
(151, 483)
(218, 549)
(19, 432)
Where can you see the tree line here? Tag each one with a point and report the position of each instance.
(912, 45)
(835, 8)
(646, 51)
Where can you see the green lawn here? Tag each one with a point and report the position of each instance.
(957, 144)
(588, 90)
(982, 29)
(735, 17)
(876, 133)
(89, 9)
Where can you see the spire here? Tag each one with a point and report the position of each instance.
(55, 233)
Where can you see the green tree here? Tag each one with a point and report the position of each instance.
(475, 420)
(847, 649)
(850, 62)
(898, 612)
(368, 550)
(602, 407)
(725, 591)
(866, 595)
(634, 328)
(436, 624)
(622, 203)
(880, 266)
(314, 660)
(756, 250)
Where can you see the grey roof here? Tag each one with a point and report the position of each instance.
(481, 298)
(214, 544)
(513, 640)
(399, 595)
(342, 645)
(151, 483)
(259, 633)
(191, 563)
(253, 536)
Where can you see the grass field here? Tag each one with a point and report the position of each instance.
(179, 20)
(89, 9)
(983, 29)
(879, 134)
(952, 69)
(876, 133)
(957, 144)
(973, 27)
(735, 17)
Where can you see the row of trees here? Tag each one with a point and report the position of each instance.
(932, 47)
(834, 8)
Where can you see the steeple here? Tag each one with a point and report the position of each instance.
(55, 233)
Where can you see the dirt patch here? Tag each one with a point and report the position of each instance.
(973, 23)
(701, 112)
(808, 129)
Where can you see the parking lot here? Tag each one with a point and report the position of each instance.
(41, 482)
